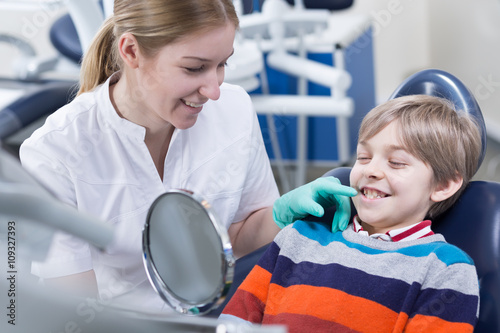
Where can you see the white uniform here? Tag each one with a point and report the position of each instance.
(91, 158)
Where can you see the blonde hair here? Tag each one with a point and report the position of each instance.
(447, 140)
(154, 23)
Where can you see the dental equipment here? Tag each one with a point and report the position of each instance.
(22, 197)
(201, 259)
(282, 32)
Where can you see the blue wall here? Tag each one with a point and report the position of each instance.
(322, 130)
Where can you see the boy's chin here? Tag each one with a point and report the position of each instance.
(369, 225)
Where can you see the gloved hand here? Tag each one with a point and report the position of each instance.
(311, 199)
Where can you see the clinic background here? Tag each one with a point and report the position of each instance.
(458, 36)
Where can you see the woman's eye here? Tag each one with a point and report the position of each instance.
(195, 69)
(223, 64)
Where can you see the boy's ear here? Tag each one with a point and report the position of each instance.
(129, 50)
(446, 190)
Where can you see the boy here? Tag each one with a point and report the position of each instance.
(387, 271)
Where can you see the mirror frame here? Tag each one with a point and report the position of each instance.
(226, 253)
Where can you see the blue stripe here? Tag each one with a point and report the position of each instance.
(447, 304)
(385, 291)
(268, 259)
(447, 253)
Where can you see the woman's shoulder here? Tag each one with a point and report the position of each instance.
(233, 90)
(233, 111)
(67, 118)
(234, 96)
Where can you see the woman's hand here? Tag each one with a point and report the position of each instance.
(312, 199)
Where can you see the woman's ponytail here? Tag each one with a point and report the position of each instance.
(100, 60)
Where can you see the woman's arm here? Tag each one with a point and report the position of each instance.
(257, 230)
(82, 284)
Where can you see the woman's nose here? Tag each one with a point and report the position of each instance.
(210, 87)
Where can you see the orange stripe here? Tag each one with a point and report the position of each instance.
(329, 304)
(421, 323)
(400, 325)
(257, 283)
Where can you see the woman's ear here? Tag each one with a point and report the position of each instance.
(446, 190)
(129, 50)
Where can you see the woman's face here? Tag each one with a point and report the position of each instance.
(174, 84)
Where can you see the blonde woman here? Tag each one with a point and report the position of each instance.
(152, 114)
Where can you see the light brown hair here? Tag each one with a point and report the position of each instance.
(430, 129)
(154, 24)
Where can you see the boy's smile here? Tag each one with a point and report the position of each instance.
(371, 193)
(395, 188)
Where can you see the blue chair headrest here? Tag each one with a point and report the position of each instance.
(325, 4)
(439, 83)
(250, 6)
(65, 39)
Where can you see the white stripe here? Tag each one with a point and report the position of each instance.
(418, 234)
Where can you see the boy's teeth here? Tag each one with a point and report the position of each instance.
(371, 194)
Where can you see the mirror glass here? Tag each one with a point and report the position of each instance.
(187, 252)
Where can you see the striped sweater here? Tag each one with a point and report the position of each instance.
(313, 280)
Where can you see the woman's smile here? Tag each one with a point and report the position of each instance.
(192, 104)
(192, 108)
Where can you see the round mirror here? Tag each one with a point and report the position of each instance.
(187, 253)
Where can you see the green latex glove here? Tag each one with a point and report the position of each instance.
(311, 199)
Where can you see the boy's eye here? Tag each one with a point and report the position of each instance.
(223, 64)
(363, 159)
(397, 164)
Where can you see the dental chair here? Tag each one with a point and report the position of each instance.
(41, 96)
(255, 5)
(472, 224)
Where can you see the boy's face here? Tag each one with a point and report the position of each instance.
(395, 188)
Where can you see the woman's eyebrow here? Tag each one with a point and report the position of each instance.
(205, 59)
(196, 58)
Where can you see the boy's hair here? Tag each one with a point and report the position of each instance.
(447, 140)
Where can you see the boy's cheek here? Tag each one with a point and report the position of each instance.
(354, 176)
(355, 201)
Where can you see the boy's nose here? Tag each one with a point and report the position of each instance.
(373, 170)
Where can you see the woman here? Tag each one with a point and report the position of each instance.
(152, 114)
